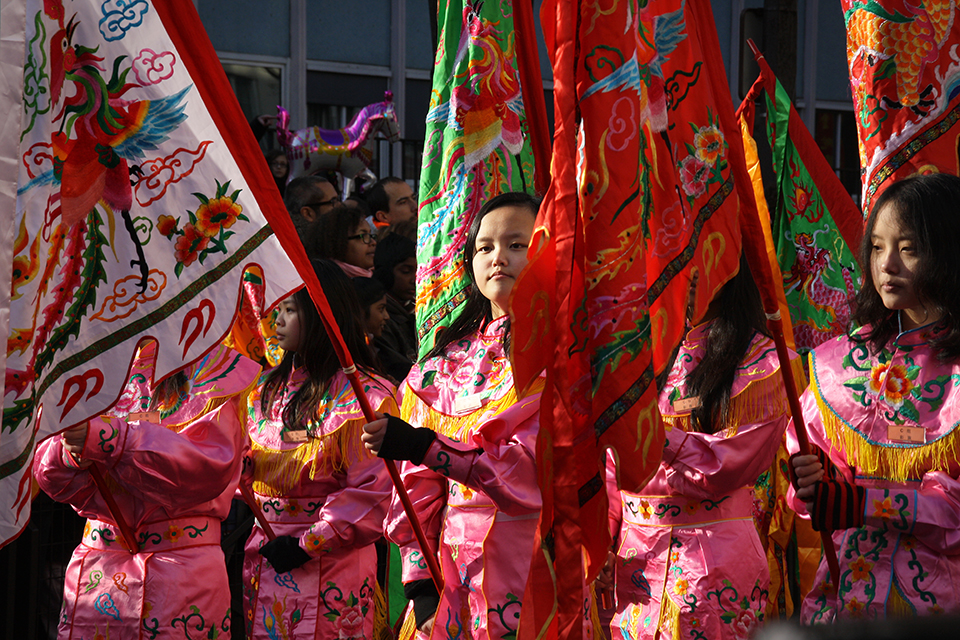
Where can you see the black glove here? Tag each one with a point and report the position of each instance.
(837, 505)
(405, 442)
(425, 598)
(284, 554)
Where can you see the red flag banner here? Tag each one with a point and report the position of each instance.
(904, 75)
(141, 199)
(643, 197)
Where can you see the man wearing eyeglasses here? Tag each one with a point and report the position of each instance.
(308, 197)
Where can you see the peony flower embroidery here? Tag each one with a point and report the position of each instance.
(890, 383)
(883, 509)
(692, 506)
(709, 144)
(189, 245)
(693, 176)
(167, 225)
(216, 214)
(350, 623)
(745, 623)
(860, 569)
(293, 508)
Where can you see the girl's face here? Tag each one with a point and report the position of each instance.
(360, 254)
(377, 317)
(288, 324)
(501, 253)
(893, 264)
(405, 280)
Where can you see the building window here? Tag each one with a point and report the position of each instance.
(836, 134)
(258, 91)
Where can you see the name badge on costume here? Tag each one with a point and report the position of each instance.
(905, 434)
(295, 437)
(148, 416)
(687, 404)
(467, 403)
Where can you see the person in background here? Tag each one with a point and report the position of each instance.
(279, 167)
(322, 494)
(307, 198)
(171, 456)
(392, 200)
(344, 236)
(881, 414)
(395, 266)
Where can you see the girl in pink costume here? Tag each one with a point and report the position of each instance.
(472, 473)
(324, 496)
(688, 561)
(884, 405)
(172, 463)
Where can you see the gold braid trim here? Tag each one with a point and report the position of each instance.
(277, 472)
(418, 413)
(893, 462)
(762, 399)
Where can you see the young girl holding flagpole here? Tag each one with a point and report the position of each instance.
(471, 470)
(883, 407)
(320, 491)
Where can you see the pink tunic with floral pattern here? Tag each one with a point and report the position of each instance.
(325, 489)
(689, 563)
(476, 492)
(173, 483)
(888, 421)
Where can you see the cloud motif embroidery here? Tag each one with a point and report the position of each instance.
(119, 16)
(151, 67)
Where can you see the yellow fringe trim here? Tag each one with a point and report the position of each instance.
(669, 617)
(887, 461)
(409, 629)
(459, 428)
(381, 622)
(897, 607)
(756, 402)
(276, 473)
(595, 615)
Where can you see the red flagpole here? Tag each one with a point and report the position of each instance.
(531, 85)
(763, 272)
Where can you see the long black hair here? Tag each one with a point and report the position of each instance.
(315, 352)
(738, 316)
(477, 310)
(928, 206)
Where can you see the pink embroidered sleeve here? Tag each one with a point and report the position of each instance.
(931, 513)
(352, 516)
(60, 480)
(165, 466)
(498, 461)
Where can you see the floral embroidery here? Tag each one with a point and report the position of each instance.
(645, 509)
(709, 144)
(692, 507)
(681, 586)
(174, 533)
(315, 543)
(891, 383)
(883, 509)
(293, 508)
(854, 607)
(693, 176)
(860, 569)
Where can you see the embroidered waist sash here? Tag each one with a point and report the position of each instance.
(680, 511)
(177, 533)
